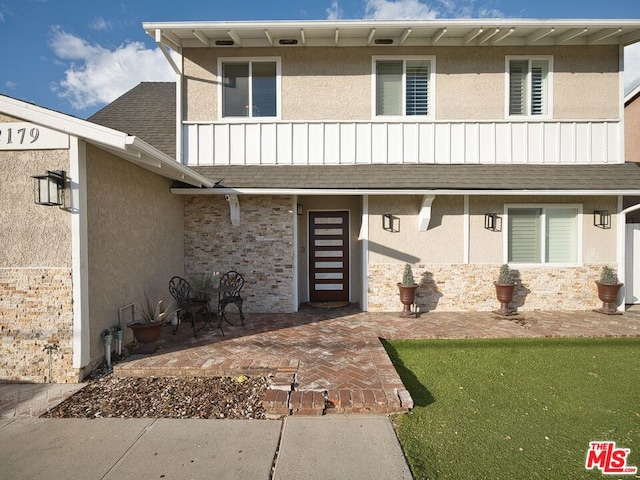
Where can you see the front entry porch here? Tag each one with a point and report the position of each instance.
(332, 361)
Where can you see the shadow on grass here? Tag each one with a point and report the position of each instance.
(419, 393)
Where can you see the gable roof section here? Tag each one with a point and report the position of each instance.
(613, 179)
(147, 111)
(127, 147)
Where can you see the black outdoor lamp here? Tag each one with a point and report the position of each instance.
(49, 187)
(490, 221)
(602, 219)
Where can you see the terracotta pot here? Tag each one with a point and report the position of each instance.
(407, 298)
(608, 295)
(146, 334)
(504, 292)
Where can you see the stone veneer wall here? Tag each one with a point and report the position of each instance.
(36, 310)
(260, 248)
(462, 287)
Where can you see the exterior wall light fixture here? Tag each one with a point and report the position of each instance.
(602, 219)
(300, 209)
(49, 188)
(390, 223)
(491, 221)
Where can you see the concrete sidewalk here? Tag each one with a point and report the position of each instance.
(336, 447)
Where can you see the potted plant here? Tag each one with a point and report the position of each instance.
(148, 327)
(608, 289)
(407, 291)
(504, 290)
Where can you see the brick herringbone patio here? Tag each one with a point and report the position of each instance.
(327, 361)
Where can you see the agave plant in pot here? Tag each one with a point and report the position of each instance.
(608, 288)
(148, 327)
(407, 291)
(504, 290)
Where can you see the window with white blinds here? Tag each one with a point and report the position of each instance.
(528, 86)
(543, 235)
(403, 87)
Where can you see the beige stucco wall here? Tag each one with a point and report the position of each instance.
(632, 131)
(470, 81)
(135, 239)
(261, 248)
(36, 306)
(353, 204)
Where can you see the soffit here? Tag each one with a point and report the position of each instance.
(358, 33)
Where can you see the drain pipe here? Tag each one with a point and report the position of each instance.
(49, 348)
(106, 338)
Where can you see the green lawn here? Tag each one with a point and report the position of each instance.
(517, 408)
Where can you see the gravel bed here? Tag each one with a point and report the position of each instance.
(166, 397)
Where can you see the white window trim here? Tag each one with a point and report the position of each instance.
(543, 207)
(219, 81)
(432, 87)
(548, 100)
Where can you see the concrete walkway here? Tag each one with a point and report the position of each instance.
(345, 447)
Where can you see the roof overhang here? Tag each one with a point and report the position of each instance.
(362, 33)
(127, 147)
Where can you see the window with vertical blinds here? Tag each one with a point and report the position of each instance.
(403, 87)
(543, 235)
(528, 86)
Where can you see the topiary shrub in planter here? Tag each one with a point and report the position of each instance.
(608, 288)
(407, 291)
(504, 291)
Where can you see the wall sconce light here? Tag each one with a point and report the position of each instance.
(491, 221)
(602, 219)
(390, 223)
(299, 209)
(49, 187)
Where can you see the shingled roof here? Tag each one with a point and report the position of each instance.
(147, 111)
(613, 177)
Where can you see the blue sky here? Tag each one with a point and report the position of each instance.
(75, 56)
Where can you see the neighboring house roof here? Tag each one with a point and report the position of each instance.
(147, 111)
(128, 147)
(353, 33)
(623, 178)
(632, 95)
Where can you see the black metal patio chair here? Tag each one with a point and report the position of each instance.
(229, 293)
(188, 303)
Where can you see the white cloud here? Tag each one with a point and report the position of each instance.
(334, 12)
(631, 67)
(400, 9)
(101, 24)
(10, 85)
(96, 75)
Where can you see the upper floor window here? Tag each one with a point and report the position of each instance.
(403, 87)
(250, 88)
(543, 234)
(529, 86)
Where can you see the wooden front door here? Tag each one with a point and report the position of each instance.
(328, 256)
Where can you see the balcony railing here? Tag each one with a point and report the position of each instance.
(300, 143)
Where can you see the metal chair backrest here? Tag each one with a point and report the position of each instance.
(181, 291)
(232, 279)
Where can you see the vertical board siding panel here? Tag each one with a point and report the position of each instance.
(316, 143)
(615, 153)
(550, 145)
(519, 142)
(411, 144)
(253, 143)
(535, 143)
(567, 143)
(426, 140)
(457, 143)
(268, 143)
(442, 138)
(190, 144)
(379, 132)
(331, 144)
(395, 142)
(284, 143)
(348, 143)
(237, 144)
(486, 143)
(583, 143)
(364, 132)
(598, 143)
(503, 143)
(221, 147)
(205, 144)
(300, 143)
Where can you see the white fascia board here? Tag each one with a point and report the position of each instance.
(61, 122)
(359, 192)
(164, 164)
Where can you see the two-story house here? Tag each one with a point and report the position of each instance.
(317, 158)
